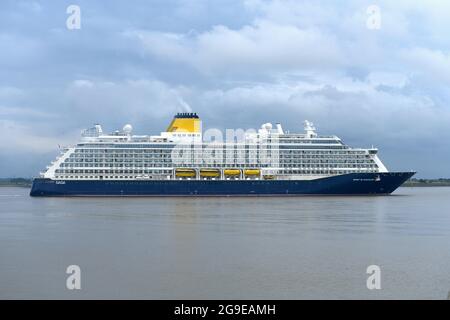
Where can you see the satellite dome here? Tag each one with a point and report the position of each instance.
(267, 126)
(127, 128)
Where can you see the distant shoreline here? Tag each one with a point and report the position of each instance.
(15, 182)
(427, 183)
(26, 182)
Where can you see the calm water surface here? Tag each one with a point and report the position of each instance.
(224, 248)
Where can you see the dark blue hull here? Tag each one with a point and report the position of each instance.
(348, 184)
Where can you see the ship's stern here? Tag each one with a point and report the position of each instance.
(41, 187)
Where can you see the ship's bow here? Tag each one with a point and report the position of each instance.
(392, 180)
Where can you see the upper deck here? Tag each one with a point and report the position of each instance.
(270, 151)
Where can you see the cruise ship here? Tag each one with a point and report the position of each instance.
(185, 161)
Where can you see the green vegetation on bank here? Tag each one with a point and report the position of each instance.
(427, 182)
(26, 182)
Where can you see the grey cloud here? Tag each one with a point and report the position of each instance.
(258, 48)
(238, 64)
(434, 64)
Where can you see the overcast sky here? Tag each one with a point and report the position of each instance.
(237, 63)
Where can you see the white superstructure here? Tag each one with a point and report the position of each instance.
(180, 153)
